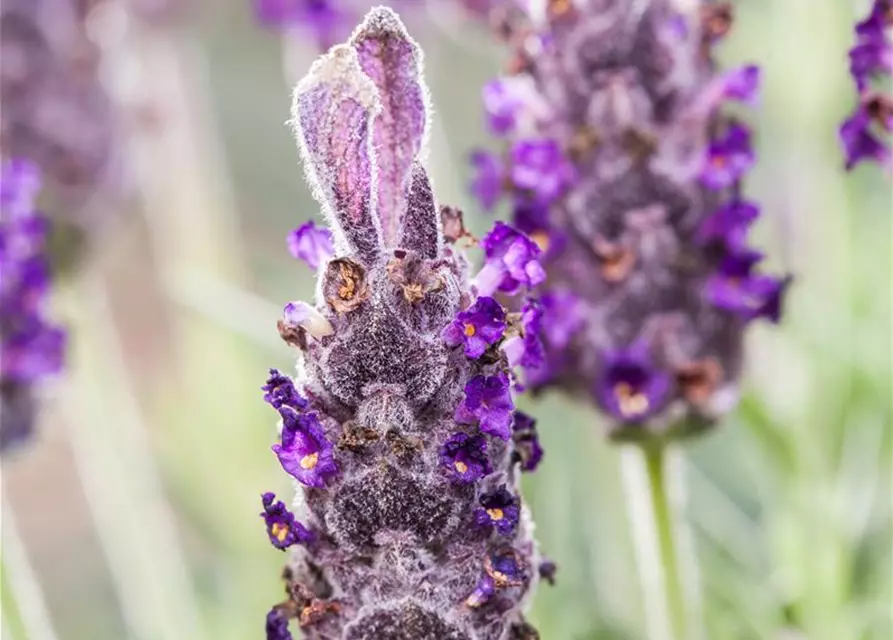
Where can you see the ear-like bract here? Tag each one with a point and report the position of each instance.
(333, 110)
(393, 62)
(420, 226)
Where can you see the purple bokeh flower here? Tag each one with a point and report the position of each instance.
(631, 388)
(488, 402)
(282, 528)
(499, 509)
(526, 349)
(727, 227)
(865, 134)
(31, 349)
(512, 262)
(528, 451)
(539, 167)
(502, 104)
(304, 451)
(478, 327)
(750, 295)
(489, 178)
(466, 457)
(728, 158)
(311, 244)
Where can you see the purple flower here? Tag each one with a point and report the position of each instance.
(478, 327)
(728, 159)
(489, 178)
(860, 142)
(304, 452)
(562, 317)
(501, 103)
(283, 529)
(466, 457)
(870, 58)
(539, 166)
(483, 591)
(505, 570)
(499, 509)
(526, 350)
(324, 18)
(277, 624)
(512, 262)
(728, 225)
(528, 451)
(488, 401)
(311, 244)
(631, 388)
(737, 289)
(742, 84)
(547, 571)
(280, 391)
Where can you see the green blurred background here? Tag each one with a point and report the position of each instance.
(136, 508)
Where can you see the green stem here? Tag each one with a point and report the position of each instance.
(655, 462)
(656, 532)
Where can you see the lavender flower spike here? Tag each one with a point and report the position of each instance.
(630, 177)
(31, 349)
(399, 430)
(865, 134)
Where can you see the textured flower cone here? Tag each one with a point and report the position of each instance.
(623, 169)
(55, 110)
(402, 443)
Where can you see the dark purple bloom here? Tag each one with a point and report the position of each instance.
(283, 529)
(512, 262)
(280, 390)
(526, 349)
(304, 452)
(750, 295)
(742, 84)
(488, 401)
(528, 451)
(502, 103)
(728, 158)
(277, 624)
(562, 317)
(860, 142)
(499, 509)
(482, 593)
(547, 571)
(505, 569)
(30, 347)
(466, 457)
(539, 167)
(631, 388)
(489, 178)
(727, 226)
(478, 327)
(311, 244)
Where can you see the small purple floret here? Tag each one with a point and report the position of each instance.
(631, 388)
(465, 457)
(750, 295)
(311, 244)
(489, 178)
(280, 391)
(502, 105)
(478, 327)
(539, 167)
(488, 401)
(728, 159)
(512, 262)
(526, 350)
(277, 625)
(304, 452)
(499, 509)
(727, 226)
(282, 528)
(528, 451)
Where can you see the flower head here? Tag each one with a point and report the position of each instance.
(465, 457)
(477, 328)
(488, 401)
(283, 529)
(311, 244)
(304, 452)
(499, 509)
